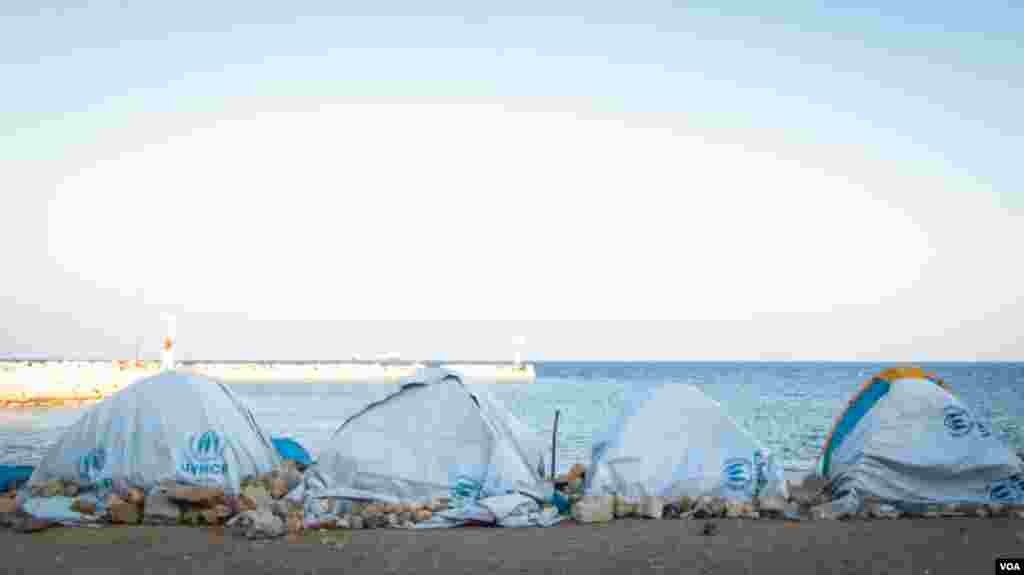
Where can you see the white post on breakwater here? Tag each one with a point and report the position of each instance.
(168, 352)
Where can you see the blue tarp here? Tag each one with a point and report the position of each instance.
(12, 476)
(290, 449)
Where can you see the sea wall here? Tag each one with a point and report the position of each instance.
(30, 384)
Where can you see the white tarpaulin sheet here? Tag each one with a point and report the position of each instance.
(435, 437)
(172, 426)
(917, 443)
(673, 441)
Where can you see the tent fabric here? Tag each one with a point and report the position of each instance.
(172, 426)
(674, 441)
(13, 476)
(427, 438)
(906, 438)
(292, 450)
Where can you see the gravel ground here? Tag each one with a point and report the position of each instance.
(921, 547)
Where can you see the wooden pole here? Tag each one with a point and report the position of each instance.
(554, 443)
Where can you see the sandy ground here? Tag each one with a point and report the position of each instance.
(921, 547)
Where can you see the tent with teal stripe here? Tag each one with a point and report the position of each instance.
(906, 438)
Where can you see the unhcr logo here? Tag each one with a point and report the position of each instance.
(91, 464)
(738, 474)
(1006, 491)
(957, 421)
(206, 446)
(205, 455)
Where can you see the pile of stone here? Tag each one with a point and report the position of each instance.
(348, 514)
(170, 503)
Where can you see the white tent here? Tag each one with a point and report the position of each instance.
(906, 438)
(674, 441)
(172, 426)
(429, 437)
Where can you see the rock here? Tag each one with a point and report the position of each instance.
(422, 515)
(84, 507)
(258, 495)
(259, 524)
(594, 509)
(125, 512)
(344, 523)
(671, 511)
(160, 510)
(734, 509)
(216, 515)
(652, 507)
(8, 505)
(771, 505)
(29, 524)
(71, 490)
(393, 520)
(199, 496)
(577, 471)
(707, 507)
(135, 496)
(356, 522)
(244, 504)
(982, 512)
(278, 487)
(53, 488)
(379, 521)
(952, 510)
(996, 509)
(623, 508)
(405, 516)
(281, 508)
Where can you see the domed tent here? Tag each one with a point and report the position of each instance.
(675, 441)
(172, 426)
(905, 438)
(433, 433)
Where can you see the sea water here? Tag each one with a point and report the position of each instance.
(789, 407)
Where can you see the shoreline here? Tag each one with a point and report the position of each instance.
(55, 384)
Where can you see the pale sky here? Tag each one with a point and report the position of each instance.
(649, 180)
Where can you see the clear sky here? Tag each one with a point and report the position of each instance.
(629, 180)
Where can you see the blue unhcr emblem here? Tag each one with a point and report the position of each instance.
(1018, 483)
(206, 447)
(1003, 491)
(737, 474)
(92, 463)
(958, 422)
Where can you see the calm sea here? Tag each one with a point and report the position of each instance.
(790, 407)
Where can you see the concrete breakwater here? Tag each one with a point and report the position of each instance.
(52, 383)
